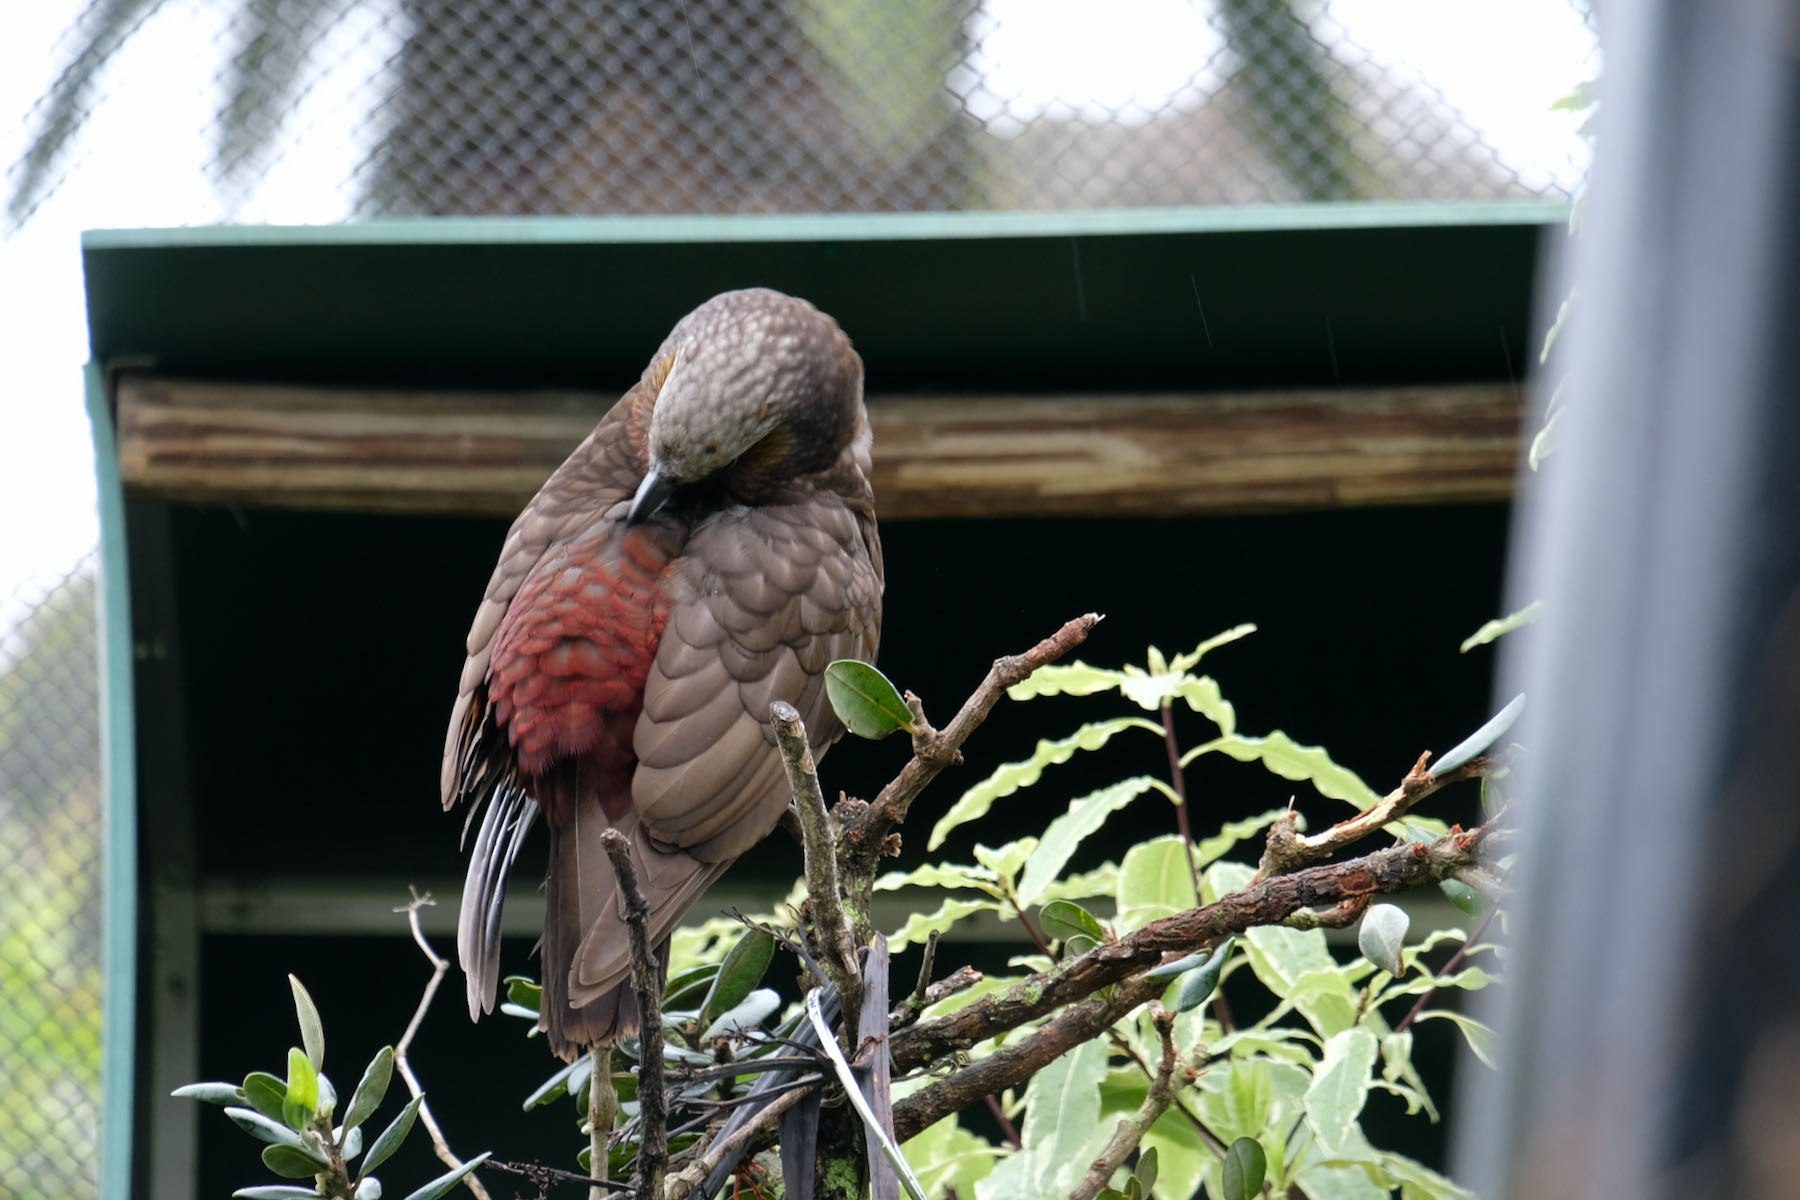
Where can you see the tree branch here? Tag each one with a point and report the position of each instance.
(1131, 1130)
(653, 1123)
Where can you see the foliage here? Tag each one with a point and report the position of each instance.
(292, 1114)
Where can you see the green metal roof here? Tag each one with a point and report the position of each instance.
(1191, 298)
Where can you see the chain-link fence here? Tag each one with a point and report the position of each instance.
(50, 851)
(713, 106)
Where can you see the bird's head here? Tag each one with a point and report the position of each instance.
(754, 388)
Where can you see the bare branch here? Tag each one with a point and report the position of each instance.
(653, 1138)
(439, 965)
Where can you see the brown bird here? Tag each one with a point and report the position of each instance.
(706, 551)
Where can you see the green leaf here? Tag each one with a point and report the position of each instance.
(276, 1191)
(1203, 696)
(1066, 833)
(747, 1013)
(302, 1100)
(1187, 662)
(1154, 881)
(948, 1158)
(1417, 1181)
(1199, 986)
(1061, 919)
(1463, 896)
(1103, 880)
(937, 875)
(739, 974)
(211, 1093)
(1208, 849)
(864, 700)
(443, 1183)
(1482, 738)
(373, 1088)
(1245, 1165)
(266, 1093)
(1062, 1111)
(1290, 760)
(1248, 1088)
(1382, 935)
(1076, 945)
(263, 1129)
(1145, 1174)
(1005, 861)
(689, 988)
(1500, 626)
(391, 1137)
(526, 993)
(1481, 1039)
(1065, 679)
(556, 1085)
(1340, 1086)
(293, 1162)
(1010, 777)
(920, 926)
(312, 1030)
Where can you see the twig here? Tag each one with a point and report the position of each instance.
(439, 965)
(1212, 1140)
(1178, 777)
(682, 1184)
(1008, 1130)
(911, 1008)
(544, 1178)
(1286, 849)
(1131, 1129)
(837, 949)
(1412, 1014)
(653, 1135)
(1337, 886)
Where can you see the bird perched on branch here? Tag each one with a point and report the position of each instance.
(706, 551)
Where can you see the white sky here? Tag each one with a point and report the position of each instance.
(141, 159)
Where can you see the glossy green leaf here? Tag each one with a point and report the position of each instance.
(1500, 626)
(391, 1137)
(312, 1030)
(1340, 1086)
(1065, 834)
(1381, 936)
(263, 1129)
(1291, 760)
(1061, 919)
(689, 988)
(526, 993)
(301, 1101)
(293, 1162)
(739, 974)
(862, 697)
(211, 1093)
(1203, 980)
(1244, 1168)
(266, 1093)
(276, 1191)
(373, 1088)
(1010, 777)
(1482, 738)
(1481, 1039)
(1076, 945)
(1154, 881)
(443, 1183)
(747, 1013)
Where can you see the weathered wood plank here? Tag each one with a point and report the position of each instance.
(486, 452)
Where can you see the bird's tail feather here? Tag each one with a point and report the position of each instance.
(506, 820)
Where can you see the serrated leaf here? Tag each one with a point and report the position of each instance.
(1203, 980)
(1500, 626)
(920, 926)
(1065, 679)
(526, 993)
(443, 1183)
(1381, 936)
(276, 1191)
(1010, 777)
(302, 1097)
(263, 1129)
(747, 1013)
(372, 1089)
(1187, 661)
(211, 1093)
(1340, 1085)
(1482, 738)
(391, 1137)
(1289, 759)
(293, 1162)
(1065, 834)
(1481, 1039)
(937, 875)
(266, 1094)
(742, 970)
(862, 697)
(1061, 919)
(1243, 1170)
(312, 1030)
(1203, 696)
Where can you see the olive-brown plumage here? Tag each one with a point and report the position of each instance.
(705, 552)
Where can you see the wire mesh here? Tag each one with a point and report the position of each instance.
(50, 855)
(717, 106)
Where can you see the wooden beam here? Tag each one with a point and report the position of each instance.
(486, 452)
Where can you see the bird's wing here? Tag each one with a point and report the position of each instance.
(760, 601)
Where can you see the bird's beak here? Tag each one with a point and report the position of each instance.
(650, 496)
